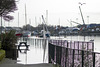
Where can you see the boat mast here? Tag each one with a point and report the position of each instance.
(25, 17)
(46, 20)
(30, 23)
(35, 21)
(43, 27)
(81, 13)
(46, 16)
(18, 19)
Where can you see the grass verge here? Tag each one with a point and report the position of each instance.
(2, 54)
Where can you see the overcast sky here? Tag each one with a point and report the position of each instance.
(59, 12)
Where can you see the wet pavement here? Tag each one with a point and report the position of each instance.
(13, 63)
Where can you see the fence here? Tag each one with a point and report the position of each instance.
(64, 43)
(80, 45)
(69, 53)
(67, 57)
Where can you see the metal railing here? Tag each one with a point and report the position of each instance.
(81, 45)
(69, 53)
(67, 57)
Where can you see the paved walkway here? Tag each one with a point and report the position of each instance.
(12, 63)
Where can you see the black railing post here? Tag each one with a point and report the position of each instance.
(93, 46)
(93, 59)
(73, 58)
(82, 58)
(67, 59)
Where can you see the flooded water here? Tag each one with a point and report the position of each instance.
(38, 51)
(96, 40)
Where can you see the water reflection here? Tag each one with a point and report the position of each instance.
(85, 38)
(38, 51)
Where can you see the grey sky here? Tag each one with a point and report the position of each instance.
(57, 9)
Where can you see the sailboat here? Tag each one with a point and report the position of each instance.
(44, 33)
(18, 33)
(18, 30)
(26, 33)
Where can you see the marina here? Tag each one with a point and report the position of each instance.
(38, 52)
(55, 33)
